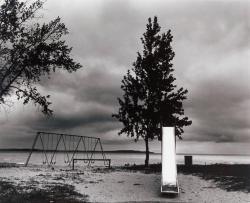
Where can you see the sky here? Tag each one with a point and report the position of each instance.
(212, 51)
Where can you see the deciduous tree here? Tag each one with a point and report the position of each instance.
(29, 50)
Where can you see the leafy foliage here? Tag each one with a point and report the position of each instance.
(29, 50)
(150, 98)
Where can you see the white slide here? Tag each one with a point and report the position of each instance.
(169, 182)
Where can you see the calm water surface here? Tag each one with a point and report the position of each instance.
(123, 158)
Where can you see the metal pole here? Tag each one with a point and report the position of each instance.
(45, 152)
(75, 151)
(55, 149)
(92, 153)
(33, 146)
(103, 154)
(65, 148)
(83, 140)
(68, 135)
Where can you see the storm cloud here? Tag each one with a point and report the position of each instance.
(211, 42)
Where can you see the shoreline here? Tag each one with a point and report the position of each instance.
(27, 150)
(229, 183)
(78, 151)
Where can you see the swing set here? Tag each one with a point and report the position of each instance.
(73, 147)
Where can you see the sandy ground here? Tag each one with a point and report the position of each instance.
(117, 185)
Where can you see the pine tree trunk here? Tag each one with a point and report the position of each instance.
(147, 152)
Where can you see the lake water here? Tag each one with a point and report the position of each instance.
(123, 158)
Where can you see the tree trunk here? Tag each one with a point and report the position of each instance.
(147, 152)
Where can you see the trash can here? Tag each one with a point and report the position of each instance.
(188, 160)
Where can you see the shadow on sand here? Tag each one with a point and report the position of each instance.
(226, 176)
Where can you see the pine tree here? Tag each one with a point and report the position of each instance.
(151, 100)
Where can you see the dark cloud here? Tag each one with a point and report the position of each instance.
(99, 86)
(211, 41)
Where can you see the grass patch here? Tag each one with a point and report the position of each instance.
(57, 193)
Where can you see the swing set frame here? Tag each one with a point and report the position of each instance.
(63, 138)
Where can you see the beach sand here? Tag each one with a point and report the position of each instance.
(87, 184)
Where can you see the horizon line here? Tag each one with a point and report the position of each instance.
(115, 151)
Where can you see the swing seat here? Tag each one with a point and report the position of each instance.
(89, 161)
